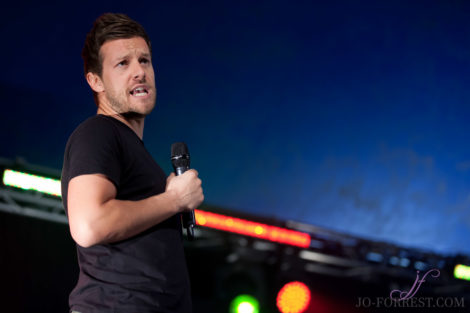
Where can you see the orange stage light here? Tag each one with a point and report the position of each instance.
(294, 297)
(253, 229)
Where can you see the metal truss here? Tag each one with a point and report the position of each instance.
(35, 205)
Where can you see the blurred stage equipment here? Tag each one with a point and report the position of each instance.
(254, 264)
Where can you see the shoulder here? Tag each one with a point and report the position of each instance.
(94, 130)
(97, 125)
(97, 133)
(95, 147)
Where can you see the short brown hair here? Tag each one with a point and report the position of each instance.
(109, 26)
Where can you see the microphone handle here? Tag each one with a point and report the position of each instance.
(188, 217)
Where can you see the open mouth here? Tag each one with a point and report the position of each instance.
(139, 92)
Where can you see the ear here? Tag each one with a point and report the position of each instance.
(95, 82)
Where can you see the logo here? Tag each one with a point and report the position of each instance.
(403, 295)
(406, 299)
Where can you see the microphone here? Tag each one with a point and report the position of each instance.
(180, 160)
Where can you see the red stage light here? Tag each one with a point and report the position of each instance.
(253, 229)
(294, 297)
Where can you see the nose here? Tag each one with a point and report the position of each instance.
(138, 72)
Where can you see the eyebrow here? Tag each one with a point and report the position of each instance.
(122, 57)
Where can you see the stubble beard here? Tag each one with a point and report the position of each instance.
(118, 104)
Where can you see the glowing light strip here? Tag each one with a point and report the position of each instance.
(253, 229)
(462, 272)
(31, 182)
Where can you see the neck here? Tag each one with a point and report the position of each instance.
(134, 121)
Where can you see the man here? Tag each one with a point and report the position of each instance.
(122, 209)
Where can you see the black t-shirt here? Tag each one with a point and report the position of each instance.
(147, 272)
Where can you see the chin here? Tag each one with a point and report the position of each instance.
(143, 109)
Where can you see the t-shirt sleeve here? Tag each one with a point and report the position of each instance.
(94, 149)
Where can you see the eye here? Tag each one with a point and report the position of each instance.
(144, 60)
(122, 63)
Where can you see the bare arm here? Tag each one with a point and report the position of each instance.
(97, 217)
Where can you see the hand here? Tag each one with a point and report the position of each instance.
(187, 190)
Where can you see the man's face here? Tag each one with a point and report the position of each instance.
(128, 77)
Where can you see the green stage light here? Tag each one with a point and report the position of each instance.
(31, 182)
(244, 304)
(462, 272)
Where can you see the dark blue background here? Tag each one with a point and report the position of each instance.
(351, 115)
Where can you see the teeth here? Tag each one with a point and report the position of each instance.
(139, 91)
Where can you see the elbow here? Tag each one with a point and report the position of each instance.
(83, 234)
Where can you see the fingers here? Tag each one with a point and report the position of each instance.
(194, 189)
(188, 189)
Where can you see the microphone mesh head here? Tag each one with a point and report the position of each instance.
(179, 155)
(179, 148)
